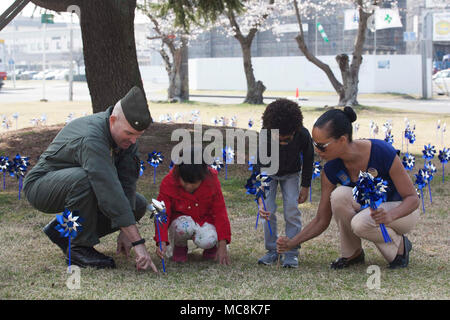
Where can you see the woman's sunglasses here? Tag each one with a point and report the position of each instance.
(321, 146)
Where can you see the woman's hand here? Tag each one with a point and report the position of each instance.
(381, 216)
(283, 244)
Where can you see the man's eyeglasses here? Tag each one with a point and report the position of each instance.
(321, 146)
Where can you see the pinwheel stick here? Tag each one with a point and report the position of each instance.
(257, 216)
(160, 246)
(69, 253)
(20, 185)
(421, 196)
(4, 181)
(385, 233)
(429, 190)
(154, 175)
(268, 222)
(443, 172)
(383, 229)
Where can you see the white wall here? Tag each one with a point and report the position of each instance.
(401, 74)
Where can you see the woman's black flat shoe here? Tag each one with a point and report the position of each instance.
(402, 261)
(341, 263)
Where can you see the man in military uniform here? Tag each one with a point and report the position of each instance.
(92, 167)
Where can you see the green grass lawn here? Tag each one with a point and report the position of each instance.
(31, 267)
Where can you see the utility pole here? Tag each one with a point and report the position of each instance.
(71, 60)
(426, 50)
(45, 19)
(43, 64)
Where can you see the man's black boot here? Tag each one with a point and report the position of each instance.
(55, 236)
(89, 257)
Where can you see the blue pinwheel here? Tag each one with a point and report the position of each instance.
(69, 225)
(5, 164)
(251, 164)
(158, 213)
(250, 123)
(409, 161)
(228, 157)
(421, 181)
(389, 138)
(155, 159)
(317, 169)
(20, 168)
(141, 168)
(371, 192)
(428, 152)
(430, 170)
(258, 184)
(217, 164)
(410, 137)
(444, 157)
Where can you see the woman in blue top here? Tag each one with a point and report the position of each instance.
(332, 139)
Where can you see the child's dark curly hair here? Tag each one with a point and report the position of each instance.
(283, 114)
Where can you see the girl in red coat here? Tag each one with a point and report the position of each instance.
(196, 211)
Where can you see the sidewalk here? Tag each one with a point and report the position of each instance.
(55, 90)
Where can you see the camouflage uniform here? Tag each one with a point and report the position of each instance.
(84, 170)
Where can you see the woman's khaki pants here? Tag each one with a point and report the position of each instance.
(355, 225)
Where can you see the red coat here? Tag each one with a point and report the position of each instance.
(206, 204)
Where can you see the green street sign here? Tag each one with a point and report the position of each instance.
(47, 18)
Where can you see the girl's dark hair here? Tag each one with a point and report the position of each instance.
(337, 122)
(191, 172)
(283, 114)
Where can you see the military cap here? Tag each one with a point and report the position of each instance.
(135, 109)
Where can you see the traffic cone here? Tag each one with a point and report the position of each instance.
(296, 93)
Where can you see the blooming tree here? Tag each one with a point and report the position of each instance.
(171, 41)
(243, 26)
(347, 89)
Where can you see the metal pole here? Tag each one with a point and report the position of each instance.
(13, 56)
(71, 60)
(43, 64)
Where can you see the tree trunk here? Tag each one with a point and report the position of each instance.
(178, 71)
(109, 48)
(255, 89)
(347, 96)
(348, 89)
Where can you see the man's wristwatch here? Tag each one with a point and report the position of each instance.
(142, 241)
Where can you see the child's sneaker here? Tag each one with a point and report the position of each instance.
(269, 258)
(290, 260)
(210, 254)
(179, 254)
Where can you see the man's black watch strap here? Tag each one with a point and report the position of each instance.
(142, 241)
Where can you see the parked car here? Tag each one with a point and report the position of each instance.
(441, 82)
(61, 74)
(27, 75)
(2, 78)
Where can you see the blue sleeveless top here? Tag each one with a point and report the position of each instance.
(382, 154)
